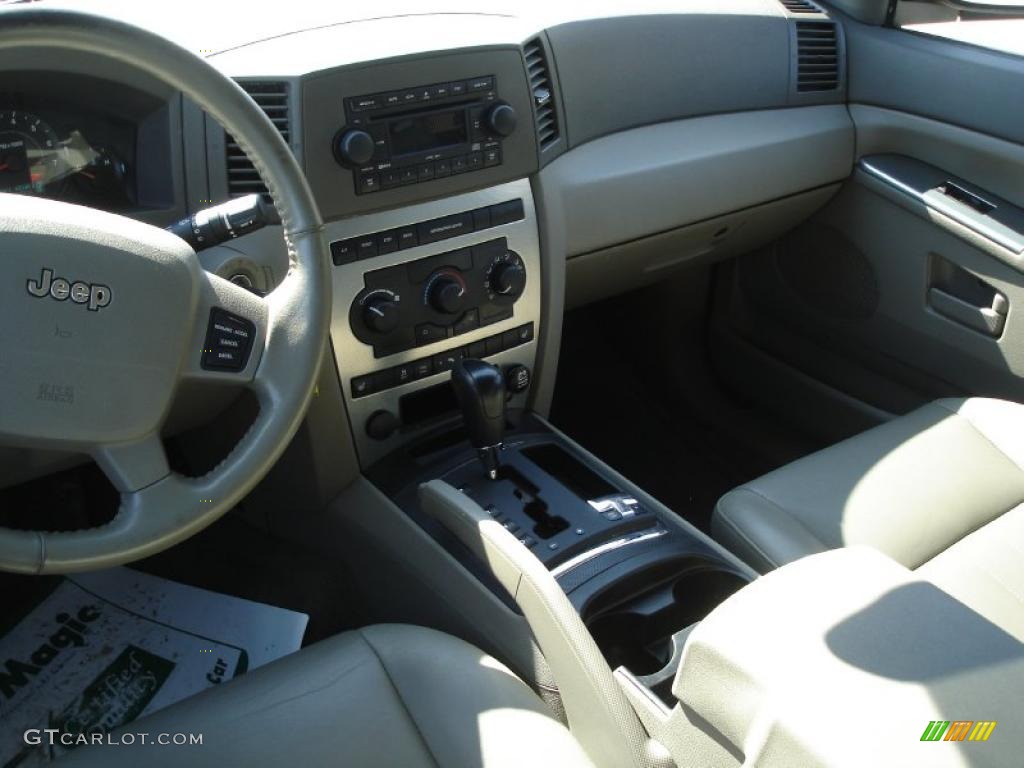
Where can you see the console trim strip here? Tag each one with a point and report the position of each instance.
(608, 546)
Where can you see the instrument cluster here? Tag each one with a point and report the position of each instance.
(64, 153)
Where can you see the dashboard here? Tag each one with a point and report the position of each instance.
(628, 143)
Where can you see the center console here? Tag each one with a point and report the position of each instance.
(436, 314)
(419, 287)
(639, 580)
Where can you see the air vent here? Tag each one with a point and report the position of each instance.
(543, 94)
(817, 56)
(272, 98)
(799, 6)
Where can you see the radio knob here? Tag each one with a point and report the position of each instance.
(354, 147)
(446, 294)
(501, 119)
(381, 315)
(509, 279)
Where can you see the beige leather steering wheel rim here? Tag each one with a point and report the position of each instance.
(159, 507)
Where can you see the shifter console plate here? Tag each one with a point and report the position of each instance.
(539, 509)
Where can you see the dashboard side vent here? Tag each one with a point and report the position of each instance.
(272, 98)
(799, 6)
(543, 93)
(817, 56)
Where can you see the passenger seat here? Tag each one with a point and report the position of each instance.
(940, 490)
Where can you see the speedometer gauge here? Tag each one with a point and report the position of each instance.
(30, 153)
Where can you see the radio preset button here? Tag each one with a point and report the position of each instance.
(458, 88)
(442, 168)
(407, 176)
(460, 165)
(369, 182)
(425, 172)
(389, 179)
(475, 160)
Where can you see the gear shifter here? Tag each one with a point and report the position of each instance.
(480, 390)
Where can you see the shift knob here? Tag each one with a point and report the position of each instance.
(480, 390)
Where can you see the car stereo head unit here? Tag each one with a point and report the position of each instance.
(419, 134)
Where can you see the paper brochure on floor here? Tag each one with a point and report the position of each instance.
(106, 648)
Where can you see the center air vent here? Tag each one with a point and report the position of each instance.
(272, 98)
(543, 93)
(799, 6)
(817, 56)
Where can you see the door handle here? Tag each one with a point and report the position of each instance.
(988, 320)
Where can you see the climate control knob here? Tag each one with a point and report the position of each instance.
(380, 314)
(354, 147)
(445, 293)
(508, 279)
(501, 119)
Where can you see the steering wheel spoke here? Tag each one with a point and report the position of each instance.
(130, 467)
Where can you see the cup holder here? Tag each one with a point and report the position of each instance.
(640, 627)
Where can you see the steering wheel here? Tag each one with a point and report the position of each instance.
(132, 306)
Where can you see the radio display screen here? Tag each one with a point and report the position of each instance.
(420, 133)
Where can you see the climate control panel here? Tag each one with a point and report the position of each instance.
(421, 302)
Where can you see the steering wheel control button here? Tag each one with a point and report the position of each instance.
(228, 341)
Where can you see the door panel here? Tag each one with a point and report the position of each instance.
(907, 286)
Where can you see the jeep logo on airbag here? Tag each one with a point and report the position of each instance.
(93, 295)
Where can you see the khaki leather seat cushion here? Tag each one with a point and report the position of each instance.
(387, 695)
(910, 488)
